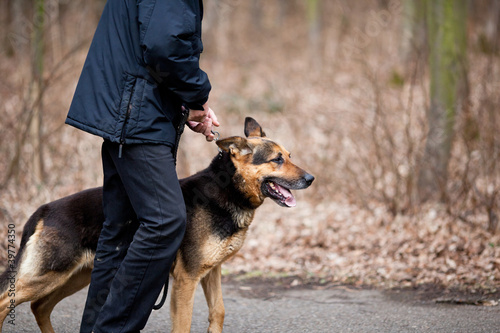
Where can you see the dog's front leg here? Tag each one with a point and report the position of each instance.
(181, 302)
(213, 293)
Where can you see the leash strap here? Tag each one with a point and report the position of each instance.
(163, 297)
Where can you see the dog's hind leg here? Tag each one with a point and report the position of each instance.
(42, 308)
(213, 293)
(30, 288)
(6, 306)
(33, 286)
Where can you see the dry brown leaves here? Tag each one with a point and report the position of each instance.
(338, 242)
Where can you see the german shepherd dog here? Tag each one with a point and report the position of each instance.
(59, 240)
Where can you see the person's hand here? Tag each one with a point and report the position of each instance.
(201, 121)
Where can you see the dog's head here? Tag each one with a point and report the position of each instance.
(263, 167)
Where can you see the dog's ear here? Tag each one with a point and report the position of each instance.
(252, 128)
(235, 145)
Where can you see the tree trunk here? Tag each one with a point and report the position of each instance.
(313, 18)
(446, 23)
(413, 29)
(223, 30)
(283, 9)
(489, 35)
(257, 14)
(18, 31)
(37, 71)
(4, 22)
(54, 26)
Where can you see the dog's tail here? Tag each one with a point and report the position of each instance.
(14, 256)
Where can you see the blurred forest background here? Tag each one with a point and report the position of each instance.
(392, 104)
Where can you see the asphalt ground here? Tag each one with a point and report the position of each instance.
(260, 307)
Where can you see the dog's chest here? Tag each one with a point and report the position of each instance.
(217, 250)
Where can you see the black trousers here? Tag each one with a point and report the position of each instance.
(145, 220)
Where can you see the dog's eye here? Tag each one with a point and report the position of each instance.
(278, 160)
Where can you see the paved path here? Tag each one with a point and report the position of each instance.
(300, 310)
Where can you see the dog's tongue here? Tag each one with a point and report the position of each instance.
(290, 200)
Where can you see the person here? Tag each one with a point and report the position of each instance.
(140, 83)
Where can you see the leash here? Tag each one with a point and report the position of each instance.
(163, 297)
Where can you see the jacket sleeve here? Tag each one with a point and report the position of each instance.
(170, 36)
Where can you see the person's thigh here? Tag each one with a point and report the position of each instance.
(150, 181)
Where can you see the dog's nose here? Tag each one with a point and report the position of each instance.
(309, 179)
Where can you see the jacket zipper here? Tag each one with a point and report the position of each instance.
(127, 116)
(180, 130)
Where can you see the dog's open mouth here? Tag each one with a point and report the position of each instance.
(281, 195)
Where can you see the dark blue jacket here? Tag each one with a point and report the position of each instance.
(142, 66)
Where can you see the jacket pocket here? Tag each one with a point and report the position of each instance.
(130, 106)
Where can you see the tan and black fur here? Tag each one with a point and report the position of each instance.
(59, 240)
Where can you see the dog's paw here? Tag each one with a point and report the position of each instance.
(213, 329)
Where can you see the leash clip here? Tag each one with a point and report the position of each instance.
(217, 136)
